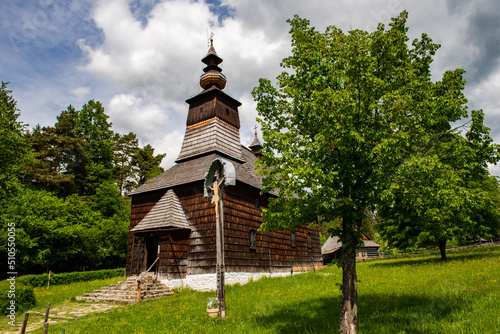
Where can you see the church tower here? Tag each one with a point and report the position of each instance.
(213, 122)
(172, 223)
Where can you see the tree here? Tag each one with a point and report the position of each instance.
(66, 234)
(430, 211)
(443, 192)
(146, 164)
(92, 126)
(349, 111)
(62, 162)
(125, 147)
(15, 152)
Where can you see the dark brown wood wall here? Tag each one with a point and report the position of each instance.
(141, 205)
(174, 245)
(202, 249)
(211, 105)
(194, 252)
(274, 251)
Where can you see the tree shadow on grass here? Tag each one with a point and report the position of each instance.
(376, 313)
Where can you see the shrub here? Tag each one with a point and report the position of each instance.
(24, 297)
(67, 278)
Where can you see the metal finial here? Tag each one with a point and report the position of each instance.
(211, 40)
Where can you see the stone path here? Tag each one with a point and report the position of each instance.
(60, 314)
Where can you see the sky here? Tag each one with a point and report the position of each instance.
(142, 59)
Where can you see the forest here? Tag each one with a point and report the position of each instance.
(63, 189)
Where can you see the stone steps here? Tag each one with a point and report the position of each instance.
(126, 291)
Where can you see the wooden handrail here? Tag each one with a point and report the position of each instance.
(153, 264)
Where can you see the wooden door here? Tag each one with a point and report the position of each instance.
(138, 255)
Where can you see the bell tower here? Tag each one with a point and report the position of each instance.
(213, 121)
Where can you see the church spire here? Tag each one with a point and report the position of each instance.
(213, 121)
(213, 73)
(256, 146)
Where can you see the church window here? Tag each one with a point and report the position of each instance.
(253, 239)
(292, 238)
(309, 241)
(227, 111)
(257, 203)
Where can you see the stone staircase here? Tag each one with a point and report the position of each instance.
(126, 291)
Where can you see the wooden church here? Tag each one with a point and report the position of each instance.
(172, 226)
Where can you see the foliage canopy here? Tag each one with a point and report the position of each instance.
(350, 116)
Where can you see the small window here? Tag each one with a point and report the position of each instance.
(309, 241)
(201, 110)
(253, 239)
(227, 111)
(292, 239)
(257, 203)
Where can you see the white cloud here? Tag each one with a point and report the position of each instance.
(156, 58)
(81, 93)
(130, 113)
(143, 67)
(170, 144)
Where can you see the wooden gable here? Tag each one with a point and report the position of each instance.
(166, 214)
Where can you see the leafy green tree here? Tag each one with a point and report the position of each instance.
(125, 147)
(92, 126)
(15, 152)
(62, 161)
(430, 211)
(66, 234)
(350, 111)
(146, 164)
(109, 202)
(442, 192)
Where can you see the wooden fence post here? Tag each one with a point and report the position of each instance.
(45, 328)
(25, 322)
(138, 291)
(47, 313)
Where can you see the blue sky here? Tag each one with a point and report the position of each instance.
(141, 59)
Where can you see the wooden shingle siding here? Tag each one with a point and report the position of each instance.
(240, 216)
(213, 135)
(166, 213)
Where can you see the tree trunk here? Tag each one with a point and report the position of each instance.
(349, 303)
(442, 249)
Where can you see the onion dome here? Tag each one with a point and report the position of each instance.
(212, 76)
(256, 146)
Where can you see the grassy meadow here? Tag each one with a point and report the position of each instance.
(413, 294)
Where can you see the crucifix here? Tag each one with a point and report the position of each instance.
(221, 173)
(216, 188)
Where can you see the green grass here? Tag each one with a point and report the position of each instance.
(414, 294)
(58, 296)
(64, 294)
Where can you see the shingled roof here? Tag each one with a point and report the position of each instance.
(195, 169)
(211, 136)
(166, 214)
